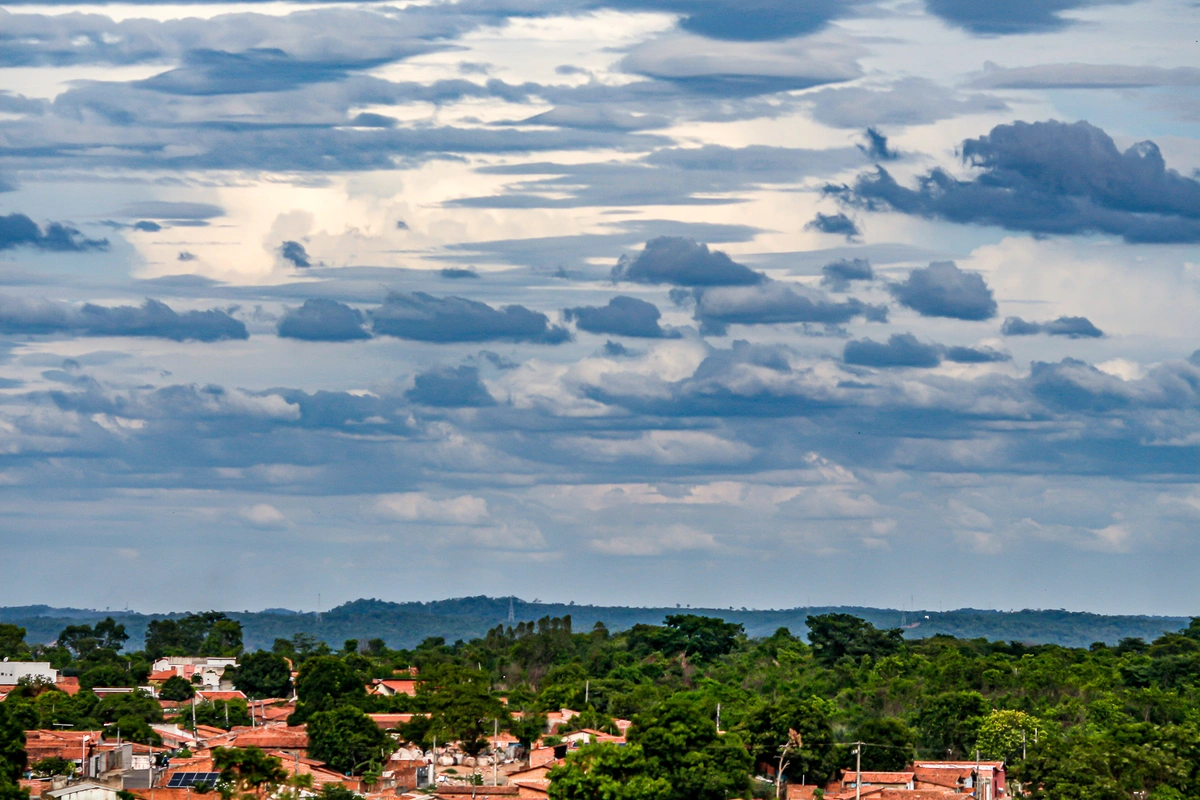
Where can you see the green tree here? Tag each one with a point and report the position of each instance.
(767, 726)
(224, 638)
(219, 714)
(324, 683)
(249, 769)
(346, 739)
(890, 744)
(680, 741)
(53, 766)
(837, 636)
(110, 635)
(949, 723)
(1001, 734)
(12, 642)
(262, 674)
(608, 772)
(703, 637)
(177, 689)
(12, 746)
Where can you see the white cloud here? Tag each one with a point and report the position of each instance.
(265, 516)
(655, 541)
(420, 507)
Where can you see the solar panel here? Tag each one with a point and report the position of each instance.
(183, 780)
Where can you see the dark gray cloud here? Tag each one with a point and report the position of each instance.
(1073, 327)
(215, 72)
(1049, 177)
(423, 317)
(617, 350)
(18, 230)
(166, 209)
(837, 276)
(597, 117)
(450, 387)
(683, 262)
(975, 355)
(838, 224)
(944, 290)
(147, 226)
(152, 318)
(456, 273)
(1084, 76)
(623, 316)
(900, 350)
(1012, 17)
(775, 302)
(323, 320)
(295, 253)
(876, 146)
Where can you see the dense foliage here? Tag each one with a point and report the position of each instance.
(1099, 722)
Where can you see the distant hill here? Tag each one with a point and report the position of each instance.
(407, 624)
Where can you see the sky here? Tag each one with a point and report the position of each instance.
(757, 303)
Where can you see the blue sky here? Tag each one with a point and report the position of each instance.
(759, 304)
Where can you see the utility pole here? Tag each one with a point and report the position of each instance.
(495, 750)
(718, 717)
(1022, 745)
(587, 692)
(858, 770)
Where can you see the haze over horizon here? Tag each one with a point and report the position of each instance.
(879, 303)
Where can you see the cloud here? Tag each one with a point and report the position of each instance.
(1073, 327)
(147, 226)
(944, 290)
(838, 224)
(323, 320)
(167, 209)
(838, 275)
(423, 317)
(900, 350)
(450, 387)
(420, 507)
(623, 316)
(265, 516)
(295, 253)
(975, 355)
(876, 147)
(683, 262)
(775, 302)
(910, 101)
(655, 541)
(456, 273)
(598, 118)
(152, 318)
(18, 230)
(737, 69)
(1084, 76)
(985, 18)
(1049, 177)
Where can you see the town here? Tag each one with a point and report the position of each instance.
(688, 709)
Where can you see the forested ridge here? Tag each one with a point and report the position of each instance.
(1097, 722)
(407, 624)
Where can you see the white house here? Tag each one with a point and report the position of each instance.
(12, 671)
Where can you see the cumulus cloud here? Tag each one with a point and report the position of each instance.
(900, 350)
(944, 290)
(457, 273)
(295, 253)
(153, 318)
(18, 230)
(1049, 177)
(838, 275)
(450, 387)
(265, 516)
(1072, 327)
(323, 320)
(623, 316)
(423, 317)
(683, 262)
(776, 302)
(838, 224)
(420, 507)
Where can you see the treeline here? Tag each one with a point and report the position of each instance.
(406, 625)
(1093, 722)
